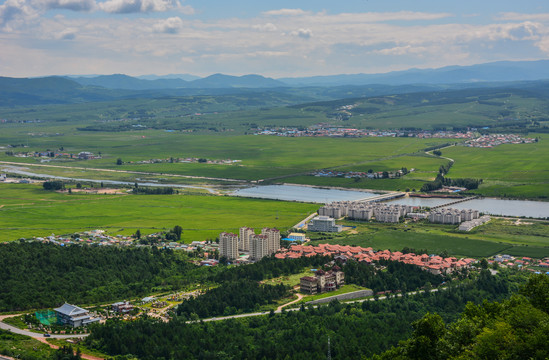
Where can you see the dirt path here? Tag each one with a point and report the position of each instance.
(84, 356)
(299, 297)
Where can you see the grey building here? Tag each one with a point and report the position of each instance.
(73, 315)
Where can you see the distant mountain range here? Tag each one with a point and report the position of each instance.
(71, 89)
(216, 81)
(490, 72)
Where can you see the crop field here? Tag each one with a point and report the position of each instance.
(261, 156)
(28, 210)
(512, 170)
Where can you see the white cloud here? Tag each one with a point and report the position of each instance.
(142, 6)
(13, 10)
(169, 26)
(302, 33)
(74, 5)
(523, 17)
(285, 12)
(268, 27)
(401, 50)
(67, 34)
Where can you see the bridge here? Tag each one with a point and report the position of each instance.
(454, 202)
(382, 197)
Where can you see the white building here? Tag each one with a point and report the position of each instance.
(274, 239)
(324, 224)
(259, 246)
(228, 245)
(244, 238)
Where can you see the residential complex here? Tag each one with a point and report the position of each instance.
(257, 245)
(365, 211)
(433, 263)
(452, 216)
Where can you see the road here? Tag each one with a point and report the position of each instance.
(279, 310)
(119, 171)
(15, 330)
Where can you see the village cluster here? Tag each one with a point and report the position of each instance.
(362, 174)
(326, 130)
(491, 140)
(48, 155)
(187, 160)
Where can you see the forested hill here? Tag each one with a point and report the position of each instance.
(513, 329)
(35, 275)
(355, 330)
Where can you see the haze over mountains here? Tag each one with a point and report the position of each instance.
(490, 72)
(72, 89)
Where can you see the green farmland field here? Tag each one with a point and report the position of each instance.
(28, 210)
(261, 156)
(520, 170)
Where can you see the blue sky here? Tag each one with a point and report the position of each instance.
(277, 39)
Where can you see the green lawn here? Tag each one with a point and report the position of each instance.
(28, 210)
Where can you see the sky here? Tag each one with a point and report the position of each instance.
(272, 38)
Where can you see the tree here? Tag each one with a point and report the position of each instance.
(137, 234)
(537, 291)
(53, 185)
(177, 230)
(484, 263)
(119, 161)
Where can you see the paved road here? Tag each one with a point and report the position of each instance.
(15, 330)
(120, 171)
(298, 308)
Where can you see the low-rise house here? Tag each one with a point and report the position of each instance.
(122, 307)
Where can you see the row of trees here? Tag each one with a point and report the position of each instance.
(440, 181)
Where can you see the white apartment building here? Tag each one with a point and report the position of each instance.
(259, 246)
(274, 239)
(228, 245)
(244, 238)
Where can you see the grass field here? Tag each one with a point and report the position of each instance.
(520, 170)
(23, 347)
(28, 210)
(261, 156)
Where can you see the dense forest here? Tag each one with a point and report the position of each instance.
(355, 330)
(397, 276)
(232, 297)
(517, 328)
(37, 275)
